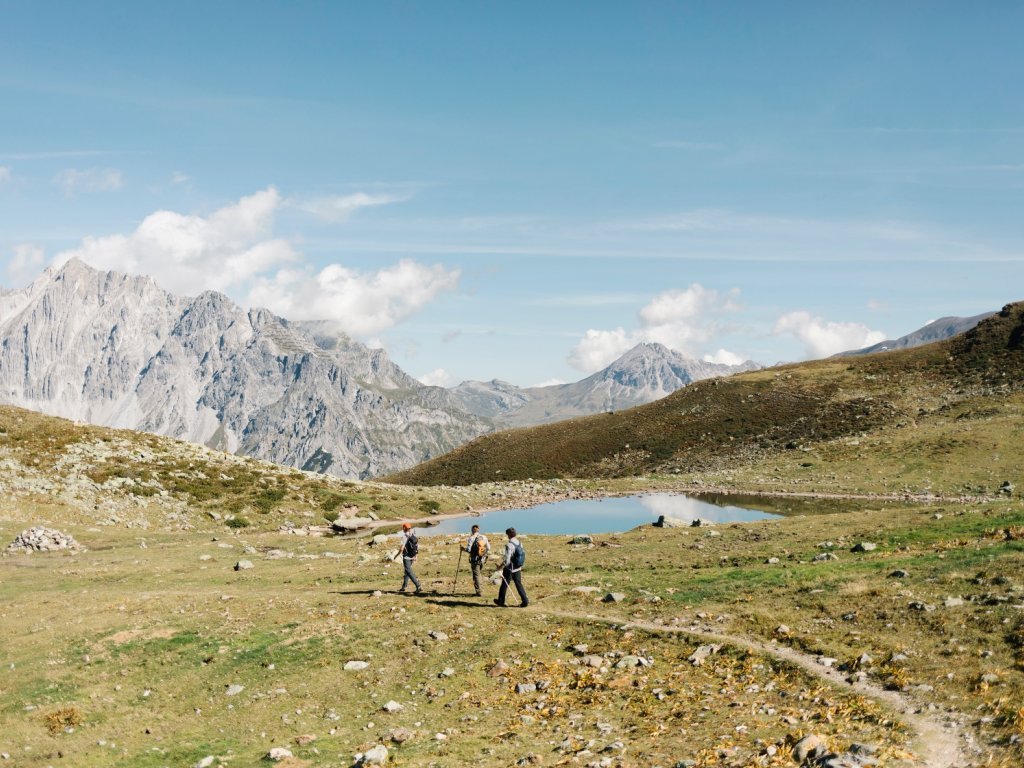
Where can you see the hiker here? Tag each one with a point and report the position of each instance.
(410, 548)
(479, 548)
(512, 570)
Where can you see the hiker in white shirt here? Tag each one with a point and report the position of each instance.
(479, 548)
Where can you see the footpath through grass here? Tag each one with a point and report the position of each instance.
(163, 654)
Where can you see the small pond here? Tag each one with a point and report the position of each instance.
(607, 515)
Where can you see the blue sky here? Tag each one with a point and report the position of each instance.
(524, 190)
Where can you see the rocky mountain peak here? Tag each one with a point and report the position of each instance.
(117, 350)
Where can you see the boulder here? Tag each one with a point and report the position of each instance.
(665, 521)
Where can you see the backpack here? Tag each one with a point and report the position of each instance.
(479, 548)
(412, 546)
(518, 557)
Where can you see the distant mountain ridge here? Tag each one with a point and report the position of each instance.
(937, 330)
(800, 414)
(117, 350)
(647, 372)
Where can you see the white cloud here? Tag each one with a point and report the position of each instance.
(438, 377)
(822, 338)
(5, 173)
(360, 303)
(877, 306)
(73, 180)
(599, 348)
(179, 178)
(190, 254)
(549, 383)
(724, 357)
(680, 319)
(339, 208)
(233, 250)
(26, 264)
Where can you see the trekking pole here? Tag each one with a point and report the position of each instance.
(508, 589)
(457, 567)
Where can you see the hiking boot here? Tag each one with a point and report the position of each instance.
(479, 594)
(418, 592)
(500, 605)
(523, 605)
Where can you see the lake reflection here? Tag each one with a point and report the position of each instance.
(608, 515)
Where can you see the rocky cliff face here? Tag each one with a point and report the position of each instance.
(646, 373)
(117, 350)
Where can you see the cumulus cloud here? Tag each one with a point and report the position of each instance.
(26, 264)
(361, 303)
(72, 180)
(723, 357)
(179, 178)
(339, 208)
(821, 337)
(234, 250)
(188, 254)
(438, 377)
(5, 174)
(681, 319)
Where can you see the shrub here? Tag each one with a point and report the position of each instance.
(237, 522)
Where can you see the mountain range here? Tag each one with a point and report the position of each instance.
(647, 372)
(937, 330)
(117, 350)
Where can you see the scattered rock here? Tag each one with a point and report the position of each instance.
(701, 654)
(864, 546)
(446, 672)
(41, 539)
(593, 660)
(305, 739)
(699, 522)
(585, 539)
(206, 762)
(824, 557)
(581, 649)
(379, 540)
(899, 573)
(278, 753)
(809, 748)
(438, 636)
(782, 630)
(234, 690)
(526, 688)
(1006, 487)
(499, 669)
(665, 521)
(356, 665)
(244, 565)
(400, 735)
(917, 605)
(392, 706)
(953, 602)
(377, 755)
(614, 597)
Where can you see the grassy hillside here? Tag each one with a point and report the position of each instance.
(130, 653)
(55, 469)
(957, 402)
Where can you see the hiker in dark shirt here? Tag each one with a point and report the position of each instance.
(512, 570)
(410, 548)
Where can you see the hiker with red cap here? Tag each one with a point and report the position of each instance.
(410, 548)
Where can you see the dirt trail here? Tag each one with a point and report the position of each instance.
(940, 741)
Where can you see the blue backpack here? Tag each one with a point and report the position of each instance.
(518, 557)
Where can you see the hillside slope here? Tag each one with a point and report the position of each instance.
(750, 418)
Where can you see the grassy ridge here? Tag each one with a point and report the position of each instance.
(753, 417)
